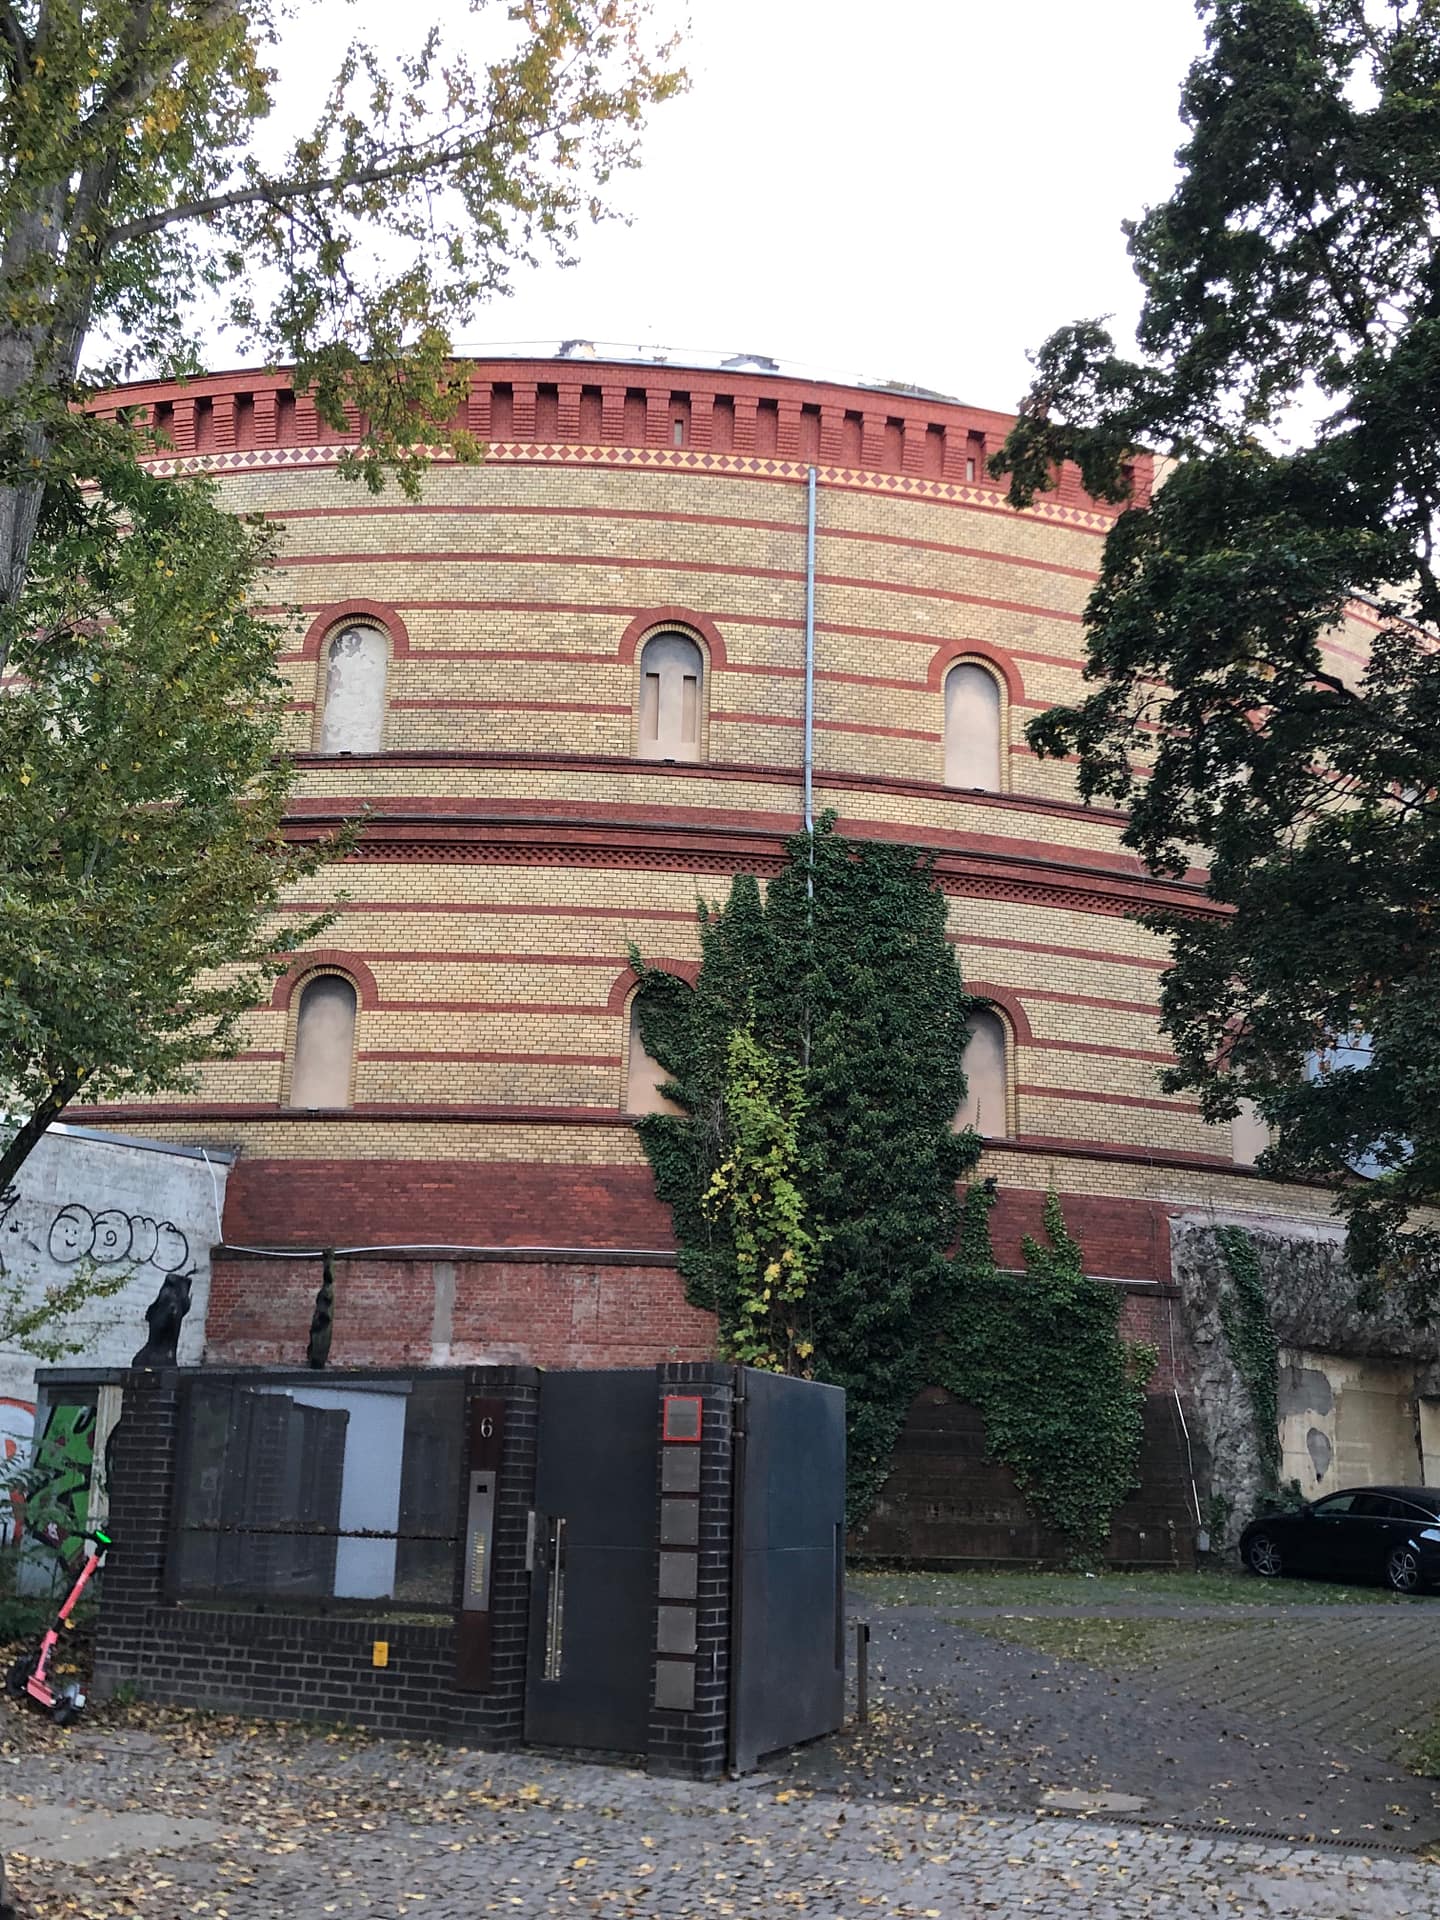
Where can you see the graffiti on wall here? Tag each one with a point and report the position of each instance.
(58, 1504)
(110, 1236)
(17, 1426)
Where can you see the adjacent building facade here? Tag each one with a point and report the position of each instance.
(567, 684)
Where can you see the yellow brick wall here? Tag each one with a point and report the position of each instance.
(501, 972)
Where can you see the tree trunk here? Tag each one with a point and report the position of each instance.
(32, 1133)
(44, 357)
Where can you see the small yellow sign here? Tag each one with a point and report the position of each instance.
(380, 1654)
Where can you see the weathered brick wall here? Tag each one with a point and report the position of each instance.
(565, 1311)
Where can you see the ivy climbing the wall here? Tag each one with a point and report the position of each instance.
(756, 1192)
(812, 1174)
(844, 977)
(1250, 1336)
(1040, 1354)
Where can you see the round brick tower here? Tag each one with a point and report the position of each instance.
(568, 684)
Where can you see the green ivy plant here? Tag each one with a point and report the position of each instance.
(1250, 1336)
(1040, 1354)
(843, 975)
(755, 1195)
(817, 1064)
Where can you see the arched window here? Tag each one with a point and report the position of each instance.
(356, 659)
(672, 682)
(972, 728)
(644, 1075)
(986, 1106)
(1249, 1135)
(324, 1043)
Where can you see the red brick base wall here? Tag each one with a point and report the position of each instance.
(460, 1203)
(422, 1311)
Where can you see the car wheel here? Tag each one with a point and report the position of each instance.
(1264, 1557)
(1402, 1570)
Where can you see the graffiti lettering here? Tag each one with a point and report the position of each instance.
(112, 1236)
(17, 1425)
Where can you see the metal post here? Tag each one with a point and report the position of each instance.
(862, 1671)
(810, 651)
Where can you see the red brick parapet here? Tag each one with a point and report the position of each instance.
(767, 426)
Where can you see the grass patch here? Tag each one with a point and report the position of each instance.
(1176, 1591)
(1128, 1644)
(1423, 1756)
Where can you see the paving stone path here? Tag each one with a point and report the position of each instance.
(1281, 1722)
(316, 1827)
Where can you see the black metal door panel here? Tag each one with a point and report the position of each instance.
(789, 1643)
(593, 1588)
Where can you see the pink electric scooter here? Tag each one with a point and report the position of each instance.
(29, 1677)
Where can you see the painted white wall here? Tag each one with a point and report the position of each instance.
(129, 1204)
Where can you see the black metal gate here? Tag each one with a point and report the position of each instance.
(788, 1649)
(593, 1587)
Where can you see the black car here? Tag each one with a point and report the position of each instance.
(1364, 1533)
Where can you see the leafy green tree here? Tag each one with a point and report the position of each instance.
(842, 974)
(136, 197)
(143, 865)
(1290, 364)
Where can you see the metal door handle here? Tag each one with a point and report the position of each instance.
(555, 1598)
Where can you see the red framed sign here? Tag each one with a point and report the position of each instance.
(683, 1418)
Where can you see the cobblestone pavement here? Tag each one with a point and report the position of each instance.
(1281, 1723)
(328, 1825)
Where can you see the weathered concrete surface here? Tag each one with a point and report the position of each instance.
(44, 1830)
(1311, 1295)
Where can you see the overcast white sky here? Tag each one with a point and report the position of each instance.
(918, 192)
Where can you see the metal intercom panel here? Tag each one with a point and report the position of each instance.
(473, 1636)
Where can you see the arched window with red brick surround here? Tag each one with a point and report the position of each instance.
(355, 664)
(670, 701)
(322, 1071)
(974, 727)
(644, 1075)
(986, 1106)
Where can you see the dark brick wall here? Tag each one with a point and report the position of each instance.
(947, 1502)
(696, 1743)
(304, 1665)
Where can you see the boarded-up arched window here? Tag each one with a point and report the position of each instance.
(355, 664)
(672, 680)
(1249, 1135)
(972, 728)
(986, 1104)
(644, 1075)
(324, 1043)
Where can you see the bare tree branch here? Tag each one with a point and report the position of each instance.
(277, 194)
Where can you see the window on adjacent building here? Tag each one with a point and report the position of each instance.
(972, 727)
(324, 1043)
(644, 1075)
(356, 659)
(672, 676)
(986, 1103)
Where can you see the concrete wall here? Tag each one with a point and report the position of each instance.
(1346, 1422)
(129, 1205)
